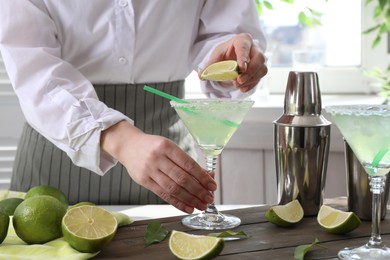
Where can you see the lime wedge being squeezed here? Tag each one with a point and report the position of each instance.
(221, 71)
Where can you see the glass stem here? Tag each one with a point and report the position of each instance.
(377, 184)
(211, 164)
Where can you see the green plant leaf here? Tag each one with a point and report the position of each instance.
(300, 251)
(229, 233)
(155, 233)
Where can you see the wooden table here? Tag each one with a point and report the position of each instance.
(266, 241)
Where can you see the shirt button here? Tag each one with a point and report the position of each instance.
(122, 3)
(122, 60)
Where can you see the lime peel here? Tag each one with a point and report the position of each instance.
(337, 221)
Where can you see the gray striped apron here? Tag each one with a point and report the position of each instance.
(39, 162)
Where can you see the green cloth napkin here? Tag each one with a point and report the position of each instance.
(15, 248)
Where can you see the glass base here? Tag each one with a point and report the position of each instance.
(211, 221)
(365, 252)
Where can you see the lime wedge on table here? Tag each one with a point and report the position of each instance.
(187, 246)
(337, 221)
(221, 71)
(88, 228)
(285, 215)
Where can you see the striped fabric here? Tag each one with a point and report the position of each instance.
(39, 162)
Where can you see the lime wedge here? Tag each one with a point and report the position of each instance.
(88, 228)
(285, 215)
(221, 71)
(122, 218)
(187, 246)
(337, 221)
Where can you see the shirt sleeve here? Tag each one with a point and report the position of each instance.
(56, 99)
(221, 20)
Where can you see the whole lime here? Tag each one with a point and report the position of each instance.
(4, 223)
(47, 190)
(9, 205)
(37, 220)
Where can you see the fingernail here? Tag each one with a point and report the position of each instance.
(245, 66)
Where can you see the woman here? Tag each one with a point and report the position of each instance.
(78, 68)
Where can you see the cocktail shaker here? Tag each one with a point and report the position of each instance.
(301, 144)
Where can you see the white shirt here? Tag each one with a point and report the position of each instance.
(54, 50)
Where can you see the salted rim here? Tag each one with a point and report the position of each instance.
(361, 110)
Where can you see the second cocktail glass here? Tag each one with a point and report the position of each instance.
(366, 128)
(212, 122)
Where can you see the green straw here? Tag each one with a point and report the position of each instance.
(164, 95)
(178, 100)
(378, 157)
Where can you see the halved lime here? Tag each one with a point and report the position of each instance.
(337, 221)
(88, 228)
(285, 215)
(187, 246)
(221, 71)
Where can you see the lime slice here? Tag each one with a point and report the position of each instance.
(337, 221)
(285, 215)
(186, 246)
(88, 228)
(221, 71)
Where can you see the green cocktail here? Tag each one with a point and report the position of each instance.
(366, 128)
(212, 122)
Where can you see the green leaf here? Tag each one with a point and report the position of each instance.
(155, 233)
(300, 251)
(268, 5)
(229, 233)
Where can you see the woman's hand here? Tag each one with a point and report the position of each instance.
(161, 166)
(250, 59)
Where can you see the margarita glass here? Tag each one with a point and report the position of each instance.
(212, 122)
(366, 129)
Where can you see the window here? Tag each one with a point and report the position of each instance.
(337, 49)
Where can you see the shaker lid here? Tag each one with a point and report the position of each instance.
(302, 100)
(302, 96)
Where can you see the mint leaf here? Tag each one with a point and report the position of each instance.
(300, 251)
(229, 233)
(155, 233)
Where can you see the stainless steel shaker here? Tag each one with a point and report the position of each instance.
(301, 144)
